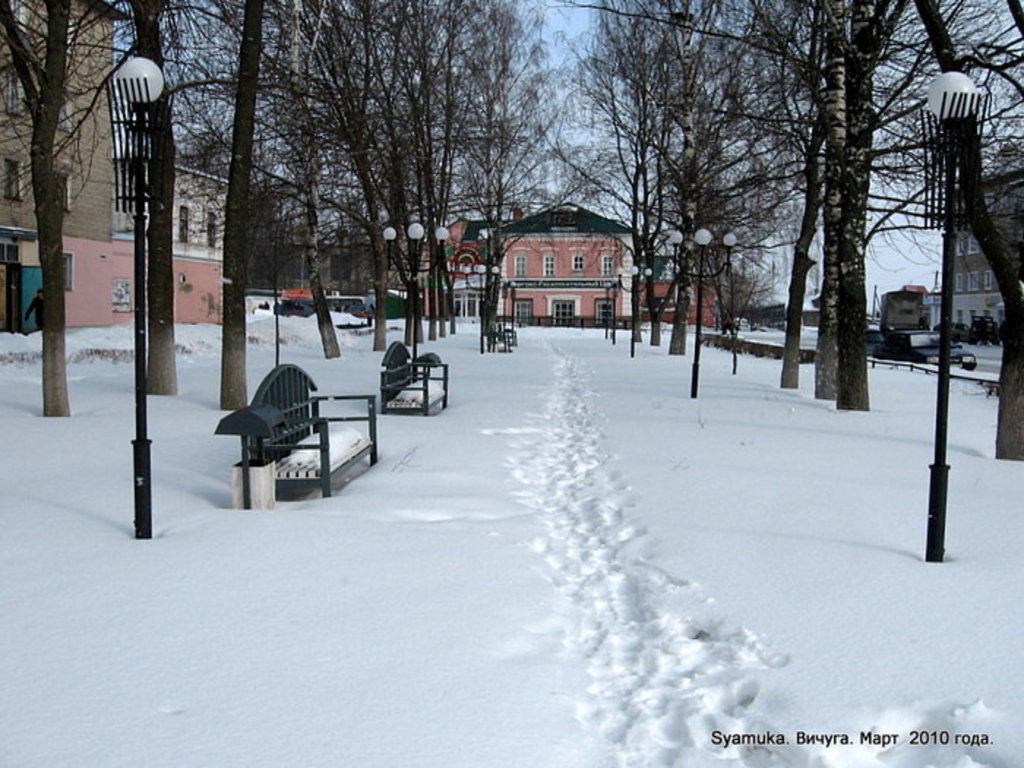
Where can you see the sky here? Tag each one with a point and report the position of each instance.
(575, 565)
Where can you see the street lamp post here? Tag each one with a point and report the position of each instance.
(635, 274)
(135, 88)
(436, 291)
(729, 241)
(389, 234)
(415, 232)
(703, 239)
(483, 287)
(952, 129)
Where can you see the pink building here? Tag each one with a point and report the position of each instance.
(560, 266)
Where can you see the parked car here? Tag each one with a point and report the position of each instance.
(957, 331)
(983, 330)
(295, 308)
(357, 309)
(921, 347)
(873, 339)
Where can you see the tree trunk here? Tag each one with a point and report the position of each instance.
(328, 336)
(852, 392)
(43, 77)
(802, 261)
(236, 221)
(826, 360)
(50, 223)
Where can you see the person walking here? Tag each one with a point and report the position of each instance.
(36, 306)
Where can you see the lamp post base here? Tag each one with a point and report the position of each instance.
(143, 490)
(937, 512)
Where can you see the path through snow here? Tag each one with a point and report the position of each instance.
(659, 682)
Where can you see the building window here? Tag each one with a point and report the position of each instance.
(12, 179)
(9, 253)
(14, 101)
(987, 280)
(563, 219)
(524, 311)
(972, 281)
(211, 229)
(520, 265)
(607, 265)
(603, 311)
(549, 265)
(183, 224)
(577, 263)
(959, 283)
(69, 263)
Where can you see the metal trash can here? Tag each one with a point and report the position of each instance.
(253, 477)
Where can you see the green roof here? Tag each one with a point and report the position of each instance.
(558, 219)
(567, 218)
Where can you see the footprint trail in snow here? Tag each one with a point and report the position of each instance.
(658, 682)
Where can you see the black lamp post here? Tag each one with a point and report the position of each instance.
(952, 129)
(414, 232)
(135, 88)
(389, 233)
(477, 277)
(635, 274)
(703, 239)
(436, 291)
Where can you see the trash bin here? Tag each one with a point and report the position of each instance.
(252, 479)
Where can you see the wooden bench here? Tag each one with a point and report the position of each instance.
(310, 442)
(410, 386)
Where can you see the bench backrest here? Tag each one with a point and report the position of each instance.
(396, 369)
(289, 389)
(396, 356)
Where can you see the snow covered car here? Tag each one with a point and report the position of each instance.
(921, 347)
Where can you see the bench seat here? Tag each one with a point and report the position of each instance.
(413, 398)
(346, 446)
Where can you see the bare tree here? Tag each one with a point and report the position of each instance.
(57, 50)
(1000, 55)
(233, 381)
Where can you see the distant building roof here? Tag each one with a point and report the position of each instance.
(566, 218)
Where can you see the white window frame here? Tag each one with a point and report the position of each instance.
(549, 265)
(607, 265)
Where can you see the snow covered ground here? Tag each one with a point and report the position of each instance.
(574, 566)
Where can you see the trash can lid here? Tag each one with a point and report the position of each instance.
(251, 421)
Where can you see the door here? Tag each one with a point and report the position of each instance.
(563, 311)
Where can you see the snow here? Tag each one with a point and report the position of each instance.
(574, 565)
